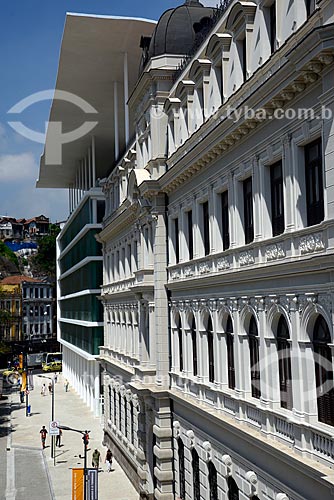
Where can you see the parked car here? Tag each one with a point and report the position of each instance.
(54, 366)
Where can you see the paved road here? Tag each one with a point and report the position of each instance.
(4, 416)
(26, 472)
(23, 472)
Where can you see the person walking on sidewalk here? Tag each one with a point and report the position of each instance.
(96, 458)
(50, 388)
(66, 384)
(108, 460)
(55, 377)
(43, 390)
(58, 438)
(43, 432)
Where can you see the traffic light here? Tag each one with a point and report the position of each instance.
(85, 439)
(21, 361)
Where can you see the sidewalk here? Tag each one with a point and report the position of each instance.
(69, 411)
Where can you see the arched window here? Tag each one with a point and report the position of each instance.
(233, 490)
(125, 417)
(196, 478)
(213, 481)
(194, 346)
(323, 371)
(110, 405)
(179, 335)
(230, 353)
(284, 363)
(132, 423)
(254, 358)
(182, 477)
(115, 410)
(209, 331)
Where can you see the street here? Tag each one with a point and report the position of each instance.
(26, 471)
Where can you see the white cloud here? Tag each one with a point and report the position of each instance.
(17, 167)
(18, 195)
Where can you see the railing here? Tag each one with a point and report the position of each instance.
(218, 13)
(254, 416)
(323, 446)
(284, 429)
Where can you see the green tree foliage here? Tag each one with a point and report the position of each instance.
(45, 260)
(8, 254)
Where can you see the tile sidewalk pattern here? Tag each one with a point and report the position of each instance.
(26, 443)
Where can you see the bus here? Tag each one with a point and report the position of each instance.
(49, 357)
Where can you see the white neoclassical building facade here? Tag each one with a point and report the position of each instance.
(218, 245)
(218, 258)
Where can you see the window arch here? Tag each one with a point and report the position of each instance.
(213, 487)
(254, 358)
(120, 411)
(230, 353)
(132, 423)
(196, 478)
(284, 363)
(323, 371)
(182, 477)
(179, 335)
(209, 331)
(194, 346)
(233, 490)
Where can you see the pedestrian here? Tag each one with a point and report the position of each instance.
(58, 438)
(43, 390)
(96, 458)
(21, 396)
(50, 388)
(55, 377)
(43, 432)
(108, 460)
(66, 384)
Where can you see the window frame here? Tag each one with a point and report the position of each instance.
(277, 198)
(314, 181)
(248, 210)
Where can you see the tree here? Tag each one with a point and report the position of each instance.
(45, 260)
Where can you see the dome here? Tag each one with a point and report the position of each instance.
(179, 28)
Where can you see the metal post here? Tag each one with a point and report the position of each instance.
(53, 442)
(85, 467)
(27, 385)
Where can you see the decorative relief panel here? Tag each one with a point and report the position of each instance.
(223, 263)
(204, 267)
(275, 252)
(246, 258)
(311, 243)
(175, 274)
(188, 271)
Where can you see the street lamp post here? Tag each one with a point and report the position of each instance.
(84, 439)
(53, 448)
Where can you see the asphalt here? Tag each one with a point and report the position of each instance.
(27, 471)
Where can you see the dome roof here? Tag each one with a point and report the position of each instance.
(178, 29)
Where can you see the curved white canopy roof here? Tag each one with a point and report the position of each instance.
(94, 53)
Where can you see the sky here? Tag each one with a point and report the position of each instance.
(30, 39)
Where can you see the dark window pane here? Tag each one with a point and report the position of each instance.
(210, 351)
(190, 235)
(248, 210)
(277, 202)
(314, 183)
(206, 228)
(323, 371)
(230, 353)
(196, 478)
(213, 481)
(182, 478)
(225, 221)
(179, 333)
(233, 490)
(272, 10)
(176, 239)
(254, 358)
(194, 345)
(284, 363)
